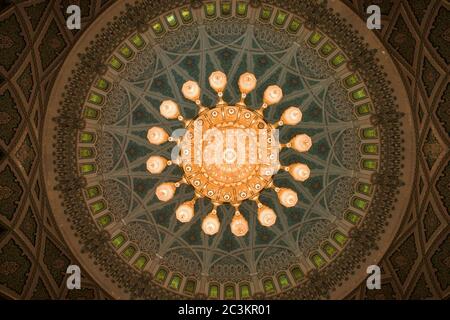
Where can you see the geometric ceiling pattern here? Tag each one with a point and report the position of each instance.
(96, 164)
(417, 265)
(33, 252)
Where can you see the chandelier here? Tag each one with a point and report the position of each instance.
(228, 153)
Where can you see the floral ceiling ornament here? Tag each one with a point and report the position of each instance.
(228, 153)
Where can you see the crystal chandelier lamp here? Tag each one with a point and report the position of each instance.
(230, 181)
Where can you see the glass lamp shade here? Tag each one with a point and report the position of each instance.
(301, 143)
(266, 216)
(211, 224)
(239, 225)
(299, 171)
(288, 197)
(169, 109)
(156, 164)
(272, 95)
(247, 82)
(218, 81)
(191, 90)
(292, 116)
(185, 212)
(165, 191)
(157, 136)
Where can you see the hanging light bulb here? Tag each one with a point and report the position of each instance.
(156, 164)
(301, 143)
(211, 223)
(247, 83)
(272, 95)
(157, 135)
(299, 171)
(292, 116)
(185, 212)
(191, 90)
(266, 216)
(218, 81)
(239, 225)
(165, 191)
(169, 109)
(287, 197)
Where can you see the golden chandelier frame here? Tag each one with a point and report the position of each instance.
(231, 182)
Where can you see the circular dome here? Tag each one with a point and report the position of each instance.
(133, 244)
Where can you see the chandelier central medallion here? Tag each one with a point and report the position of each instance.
(228, 164)
(228, 153)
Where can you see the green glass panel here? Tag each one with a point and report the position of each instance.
(297, 273)
(364, 109)
(360, 203)
(269, 286)
(115, 63)
(92, 192)
(105, 220)
(365, 188)
(137, 41)
(118, 241)
(186, 15)
(370, 164)
(91, 113)
(86, 152)
(126, 52)
(87, 168)
(359, 94)
(280, 18)
(241, 8)
(95, 98)
(157, 28)
(338, 60)
(141, 262)
(283, 280)
(97, 207)
(352, 80)
(175, 282)
(210, 9)
(370, 148)
(266, 13)
(86, 137)
(102, 84)
(172, 20)
(294, 26)
(352, 217)
(329, 250)
(161, 275)
(226, 8)
(229, 292)
(318, 260)
(340, 238)
(213, 291)
(129, 252)
(327, 48)
(315, 38)
(369, 133)
(245, 291)
(190, 287)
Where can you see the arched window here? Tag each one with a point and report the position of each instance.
(161, 275)
(269, 286)
(283, 281)
(213, 291)
(190, 286)
(175, 282)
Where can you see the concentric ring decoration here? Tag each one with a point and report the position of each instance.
(108, 95)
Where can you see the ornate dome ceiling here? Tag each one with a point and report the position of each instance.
(134, 56)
